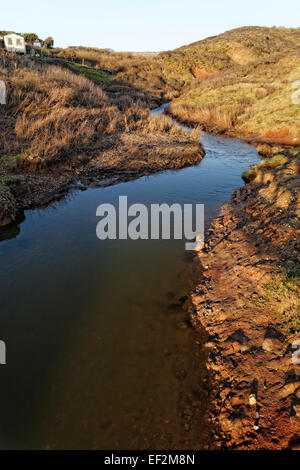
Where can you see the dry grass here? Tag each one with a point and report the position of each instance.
(238, 80)
(170, 73)
(255, 100)
(104, 59)
(57, 123)
(209, 116)
(55, 115)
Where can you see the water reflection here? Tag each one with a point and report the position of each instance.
(99, 352)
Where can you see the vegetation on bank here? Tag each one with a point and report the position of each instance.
(254, 99)
(277, 161)
(105, 59)
(95, 74)
(75, 104)
(55, 114)
(282, 294)
(59, 120)
(7, 200)
(277, 209)
(91, 73)
(173, 71)
(281, 297)
(238, 81)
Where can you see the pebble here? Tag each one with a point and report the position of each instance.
(252, 400)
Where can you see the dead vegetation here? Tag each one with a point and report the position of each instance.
(171, 73)
(240, 81)
(254, 100)
(104, 59)
(57, 119)
(54, 114)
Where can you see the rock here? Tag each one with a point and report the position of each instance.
(238, 336)
(268, 345)
(252, 400)
(296, 409)
(273, 333)
(288, 389)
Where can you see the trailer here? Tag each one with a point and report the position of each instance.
(15, 43)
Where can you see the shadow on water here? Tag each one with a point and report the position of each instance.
(11, 231)
(100, 353)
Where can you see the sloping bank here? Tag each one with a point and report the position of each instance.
(248, 300)
(60, 130)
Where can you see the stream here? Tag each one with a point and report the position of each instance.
(100, 354)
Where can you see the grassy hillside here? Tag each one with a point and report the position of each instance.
(255, 99)
(239, 80)
(170, 72)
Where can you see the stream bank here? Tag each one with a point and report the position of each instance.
(100, 352)
(26, 185)
(248, 301)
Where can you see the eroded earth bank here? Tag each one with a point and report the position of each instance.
(248, 302)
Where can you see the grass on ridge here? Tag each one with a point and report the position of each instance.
(93, 74)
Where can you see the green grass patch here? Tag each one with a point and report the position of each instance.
(5, 188)
(10, 162)
(277, 161)
(283, 291)
(249, 175)
(97, 75)
(93, 74)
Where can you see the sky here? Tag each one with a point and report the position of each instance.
(141, 25)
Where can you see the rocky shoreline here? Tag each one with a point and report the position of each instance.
(248, 301)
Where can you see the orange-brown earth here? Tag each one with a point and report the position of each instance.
(248, 301)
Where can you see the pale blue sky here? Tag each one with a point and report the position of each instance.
(141, 25)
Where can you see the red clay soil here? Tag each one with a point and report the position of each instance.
(256, 398)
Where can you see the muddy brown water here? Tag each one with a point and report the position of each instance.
(99, 352)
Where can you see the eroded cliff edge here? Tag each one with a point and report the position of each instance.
(248, 301)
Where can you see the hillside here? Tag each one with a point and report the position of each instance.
(254, 101)
(170, 72)
(238, 81)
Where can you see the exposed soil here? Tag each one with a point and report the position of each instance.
(256, 401)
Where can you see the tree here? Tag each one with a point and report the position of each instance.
(30, 37)
(49, 42)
